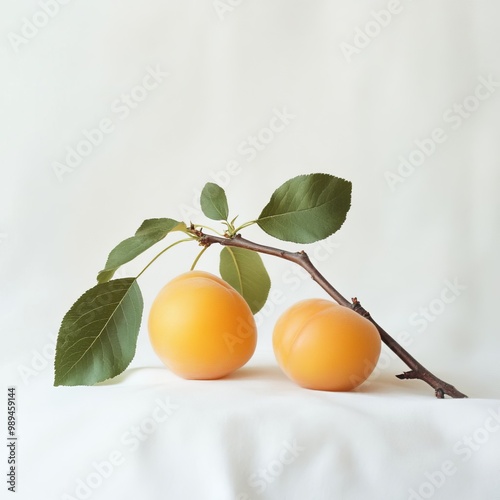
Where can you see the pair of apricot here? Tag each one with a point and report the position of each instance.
(202, 328)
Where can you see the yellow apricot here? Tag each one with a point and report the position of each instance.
(201, 327)
(321, 345)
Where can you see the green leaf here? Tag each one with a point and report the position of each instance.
(98, 335)
(150, 232)
(244, 270)
(213, 202)
(307, 208)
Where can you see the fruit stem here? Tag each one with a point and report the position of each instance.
(417, 370)
(162, 252)
(203, 250)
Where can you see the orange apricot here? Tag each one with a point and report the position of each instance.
(321, 345)
(201, 327)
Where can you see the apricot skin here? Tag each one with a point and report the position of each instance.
(201, 327)
(321, 345)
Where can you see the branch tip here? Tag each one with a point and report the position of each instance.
(407, 375)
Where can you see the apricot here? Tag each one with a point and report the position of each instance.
(321, 345)
(201, 327)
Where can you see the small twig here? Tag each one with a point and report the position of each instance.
(417, 371)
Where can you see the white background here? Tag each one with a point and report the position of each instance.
(228, 71)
